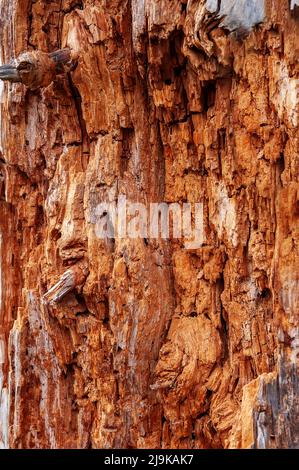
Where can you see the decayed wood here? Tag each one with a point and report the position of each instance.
(37, 69)
(73, 277)
(159, 346)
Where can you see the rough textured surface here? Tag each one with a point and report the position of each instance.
(238, 14)
(37, 69)
(157, 346)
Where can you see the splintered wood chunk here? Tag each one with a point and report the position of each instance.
(73, 277)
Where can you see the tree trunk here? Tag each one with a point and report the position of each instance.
(145, 342)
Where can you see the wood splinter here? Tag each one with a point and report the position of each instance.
(37, 69)
(72, 278)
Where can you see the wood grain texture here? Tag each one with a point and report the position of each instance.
(158, 346)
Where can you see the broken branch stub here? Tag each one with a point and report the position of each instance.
(70, 279)
(37, 69)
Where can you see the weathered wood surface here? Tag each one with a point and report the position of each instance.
(160, 346)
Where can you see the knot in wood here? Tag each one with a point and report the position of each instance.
(36, 69)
